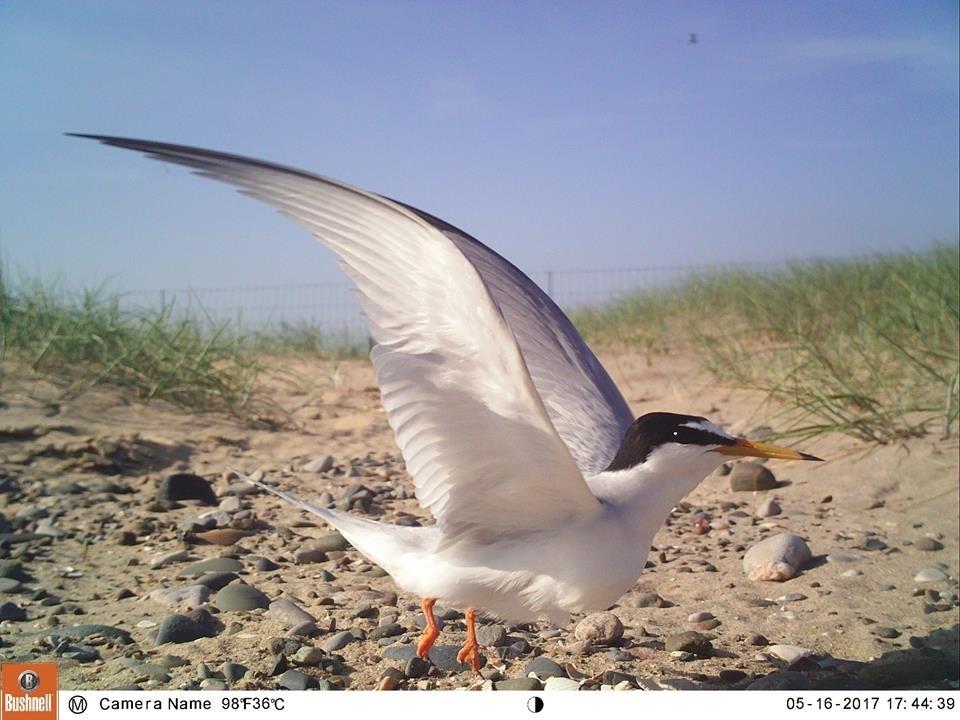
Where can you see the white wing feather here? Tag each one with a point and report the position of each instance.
(584, 404)
(475, 435)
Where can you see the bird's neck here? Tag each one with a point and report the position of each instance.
(647, 492)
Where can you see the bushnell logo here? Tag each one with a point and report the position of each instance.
(28, 691)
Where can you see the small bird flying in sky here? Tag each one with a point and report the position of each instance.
(546, 490)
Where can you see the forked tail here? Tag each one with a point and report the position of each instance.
(378, 541)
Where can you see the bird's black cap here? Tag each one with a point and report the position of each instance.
(654, 429)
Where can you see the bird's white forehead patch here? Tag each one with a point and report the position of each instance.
(707, 426)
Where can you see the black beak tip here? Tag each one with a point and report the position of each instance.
(811, 457)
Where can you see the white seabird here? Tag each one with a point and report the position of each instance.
(546, 491)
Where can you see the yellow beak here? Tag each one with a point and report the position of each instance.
(752, 448)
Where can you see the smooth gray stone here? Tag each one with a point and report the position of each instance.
(82, 631)
(338, 641)
(544, 667)
(186, 486)
(221, 564)
(239, 598)
(216, 580)
(9, 585)
(786, 680)
(180, 629)
(233, 671)
(289, 613)
(296, 680)
(527, 683)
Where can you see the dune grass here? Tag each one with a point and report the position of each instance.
(84, 340)
(866, 347)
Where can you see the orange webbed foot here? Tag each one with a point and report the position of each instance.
(431, 632)
(470, 652)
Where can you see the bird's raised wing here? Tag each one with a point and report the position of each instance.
(583, 403)
(476, 438)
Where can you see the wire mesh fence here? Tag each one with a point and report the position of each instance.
(332, 309)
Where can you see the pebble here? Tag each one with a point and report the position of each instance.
(852, 572)
(12, 611)
(223, 537)
(338, 641)
(689, 641)
(11, 569)
(561, 683)
(166, 558)
(527, 684)
(677, 684)
(331, 542)
(732, 676)
(308, 555)
(80, 653)
(309, 655)
(791, 597)
(928, 544)
(930, 574)
(388, 630)
(768, 508)
(222, 564)
(278, 665)
(289, 613)
(186, 486)
(544, 667)
(232, 504)
(757, 640)
(321, 464)
(9, 585)
(216, 580)
(700, 616)
(188, 597)
(416, 667)
(886, 632)
(172, 661)
(748, 476)
(387, 683)
(82, 631)
(786, 680)
(238, 597)
(296, 680)
(603, 628)
(266, 565)
(492, 635)
(46, 528)
(305, 629)
(644, 600)
(213, 685)
(777, 558)
(789, 653)
(180, 629)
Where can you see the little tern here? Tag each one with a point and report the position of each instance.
(545, 489)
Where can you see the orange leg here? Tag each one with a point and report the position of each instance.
(470, 652)
(431, 632)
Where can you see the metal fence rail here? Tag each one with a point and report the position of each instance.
(333, 310)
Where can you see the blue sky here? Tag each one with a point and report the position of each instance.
(564, 134)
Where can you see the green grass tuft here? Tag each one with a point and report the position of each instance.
(867, 347)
